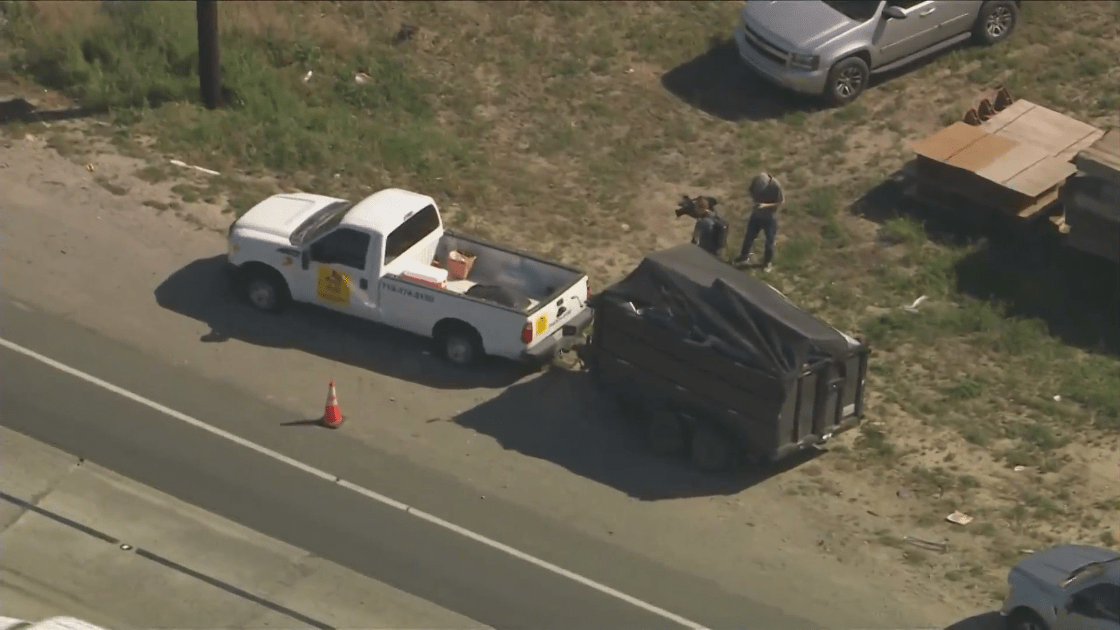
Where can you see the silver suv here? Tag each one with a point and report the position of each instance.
(832, 47)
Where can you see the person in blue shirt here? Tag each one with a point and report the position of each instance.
(767, 198)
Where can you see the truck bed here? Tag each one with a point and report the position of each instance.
(535, 278)
(462, 286)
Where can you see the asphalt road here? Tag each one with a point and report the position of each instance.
(324, 518)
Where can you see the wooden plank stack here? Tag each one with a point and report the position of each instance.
(1092, 198)
(1010, 166)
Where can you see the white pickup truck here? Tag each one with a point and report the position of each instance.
(388, 259)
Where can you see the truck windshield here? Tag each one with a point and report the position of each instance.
(320, 223)
(858, 10)
(409, 233)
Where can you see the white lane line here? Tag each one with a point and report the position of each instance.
(370, 494)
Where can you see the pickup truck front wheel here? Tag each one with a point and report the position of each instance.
(265, 290)
(458, 344)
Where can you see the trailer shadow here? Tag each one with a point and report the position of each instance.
(200, 291)
(560, 417)
(718, 83)
(1031, 274)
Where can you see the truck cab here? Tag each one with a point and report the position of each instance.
(388, 259)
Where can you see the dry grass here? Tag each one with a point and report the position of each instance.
(570, 128)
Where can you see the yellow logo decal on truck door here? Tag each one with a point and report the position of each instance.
(333, 286)
(542, 325)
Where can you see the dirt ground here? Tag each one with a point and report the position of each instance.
(960, 416)
(825, 518)
(73, 247)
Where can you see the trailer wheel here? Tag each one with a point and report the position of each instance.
(710, 450)
(665, 433)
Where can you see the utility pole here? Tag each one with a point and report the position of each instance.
(209, 66)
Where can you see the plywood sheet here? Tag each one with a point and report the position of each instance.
(1041, 176)
(979, 154)
(1007, 116)
(1109, 144)
(948, 141)
(1102, 158)
(1085, 143)
(1016, 160)
(1060, 135)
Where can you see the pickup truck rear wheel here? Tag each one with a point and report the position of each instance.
(460, 345)
(710, 450)
(265, 290)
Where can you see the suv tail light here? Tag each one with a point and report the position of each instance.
(527, 333)
(589, 288)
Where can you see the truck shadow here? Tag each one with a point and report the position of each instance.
(20, 110)
(560, 417)
(200, 291)
(718, 84)
(983, 621)
(1032, 275)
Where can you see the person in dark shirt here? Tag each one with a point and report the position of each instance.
(710, 231)
(767, 198)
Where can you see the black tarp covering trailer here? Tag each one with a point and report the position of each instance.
(720, 363)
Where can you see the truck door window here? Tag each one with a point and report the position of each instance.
(409, 233)
(343, 246)
(1102, 601)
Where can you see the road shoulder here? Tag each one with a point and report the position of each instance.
(80, 540)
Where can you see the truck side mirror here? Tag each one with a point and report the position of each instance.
(894, 12)
(305, 259)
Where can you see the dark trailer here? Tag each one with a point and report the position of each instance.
(716, 362)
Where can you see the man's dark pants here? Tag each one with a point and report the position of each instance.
(767, 223)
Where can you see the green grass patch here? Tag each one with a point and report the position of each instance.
(140, 60)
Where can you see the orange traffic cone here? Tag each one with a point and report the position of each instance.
(332, 416)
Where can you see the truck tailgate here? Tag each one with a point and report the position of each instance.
(551, 315)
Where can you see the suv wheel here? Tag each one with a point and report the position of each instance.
(996, 21)
(847, 80)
